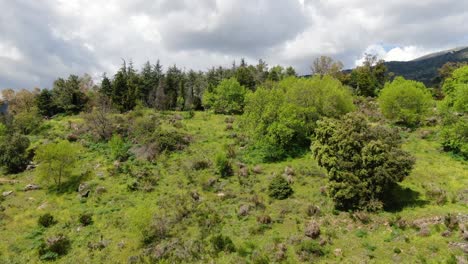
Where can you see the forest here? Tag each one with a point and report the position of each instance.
(240, 164)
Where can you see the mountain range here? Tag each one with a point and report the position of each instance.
(425, 69)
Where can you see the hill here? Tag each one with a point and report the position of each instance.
(181, 197)
(424, 69)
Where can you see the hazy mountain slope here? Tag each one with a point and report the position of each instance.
(425, 68)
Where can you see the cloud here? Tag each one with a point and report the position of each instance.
(43, 40)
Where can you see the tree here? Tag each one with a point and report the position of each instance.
(405, 101)
(45, 103)
(325, 65)
(106, 86)
(245, 76)
(369, 78)
(14, 156)
(281, 119)
(226, 98)
(56, 161)
(67, 96)
(364, 162)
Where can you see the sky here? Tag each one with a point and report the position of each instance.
(42, 40)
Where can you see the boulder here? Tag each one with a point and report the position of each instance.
(100, 190)
(244, 210)
(7, 193)
(31, 187)
(84, 190)
(312, 230)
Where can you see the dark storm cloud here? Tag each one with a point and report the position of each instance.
(28, 27)
(43, 40)
(249, 28)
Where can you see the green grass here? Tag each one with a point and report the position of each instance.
(121, 216)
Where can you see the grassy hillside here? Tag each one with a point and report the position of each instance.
(199, 205)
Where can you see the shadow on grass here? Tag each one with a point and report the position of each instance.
(398, 198)
(71, 185)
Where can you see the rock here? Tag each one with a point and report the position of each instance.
(464, 235)
(290, 179)
(221, 194)
(241, 165)
(7, 193)
(264, 219)
(244, 172)
(312, 230)
(280, 252)
(117, 164)
(288, 171)
(428, 221)
(31, 187)
(257, 169)
(121, 245)
(460, 245)
(83, 190)
(338, 252)
(43, 206)
(424, 231)
(425, 134)
(100, 190)
(195, 196)
(244, 210)
(446, 233)
(100, 175)
(31, 166)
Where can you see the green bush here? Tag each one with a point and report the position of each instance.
(54, 247)
(279, 188)
(222, 243)
(281, 119)
(405, 101)
(46, 220)
(118, 148)
(14, 156)
(226, 98)
(454, 112)
(223, 166)
(86, 219)
(364, 162)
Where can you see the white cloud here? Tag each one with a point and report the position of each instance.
(394, 54)
(10, 52)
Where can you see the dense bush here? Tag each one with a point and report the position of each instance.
(54, 247)
(279, 188)
(46, 220)
(223, 165)
(363, 161)
(118, 148)
(86, 219)
(405, 101)
(281, 120)
(222, 243)
(14, 156)
(226, 98)
(454, 111)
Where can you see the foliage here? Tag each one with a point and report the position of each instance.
(67, 95)
(279, 188)
(369, 78)
(222, 243)
(327, 66)
(363, 161)
(54, 247)
(118, 148)
(454, 111)
(13, 152)
(405, 101)
(46, 220)
(281, 120)
(226, 98)
(86, 219)
(56, 161)
(223, 165)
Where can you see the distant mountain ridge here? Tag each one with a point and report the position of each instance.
(424, 69)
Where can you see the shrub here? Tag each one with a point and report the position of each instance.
(405, 101)
(309, 249)
(312, 230)
(226, 98)
(86, 219)
(13, 152)
(279, 188)
(118, 148)
(222, 243)
(46, 220)
(364, 162)
(54, 247)
(223, 166)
